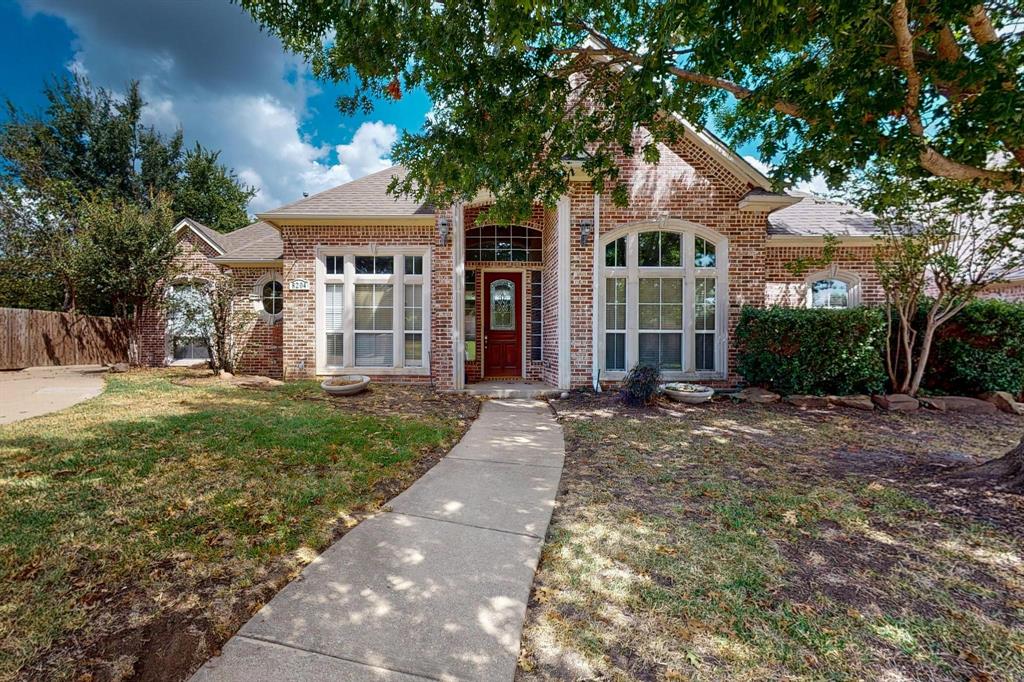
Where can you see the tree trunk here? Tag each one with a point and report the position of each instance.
(1005, 473)
(922, 359)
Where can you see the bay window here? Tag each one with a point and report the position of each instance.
(370, 311)
(661, 292)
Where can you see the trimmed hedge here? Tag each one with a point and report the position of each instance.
(819, 352)
(981, 349)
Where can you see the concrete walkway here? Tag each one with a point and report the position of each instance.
(40, 390)
(433, 588)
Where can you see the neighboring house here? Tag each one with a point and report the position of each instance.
(1009, 288)
(354, 281)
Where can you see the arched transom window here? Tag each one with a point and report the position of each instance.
(503, 243)
(663, 300)
(833, 289)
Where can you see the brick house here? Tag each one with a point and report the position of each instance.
(355, 281)
(1009, 288)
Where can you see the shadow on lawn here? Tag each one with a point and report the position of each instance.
(136, 545)
(766, 542)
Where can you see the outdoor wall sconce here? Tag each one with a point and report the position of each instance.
(586, 230)
(443, 227)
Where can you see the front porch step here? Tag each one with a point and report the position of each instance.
(512, 389)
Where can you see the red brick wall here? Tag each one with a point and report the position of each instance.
(687, 184)
(549, 298)
(262, 353)
(784, 288)
(264, 343)
(1006, 291)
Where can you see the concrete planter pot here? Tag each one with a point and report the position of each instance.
(348, 385)
(686, 393)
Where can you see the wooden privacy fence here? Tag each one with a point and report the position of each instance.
(34, 338)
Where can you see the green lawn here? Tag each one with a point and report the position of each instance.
(753, 543)
(159, 507)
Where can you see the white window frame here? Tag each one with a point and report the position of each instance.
(348, 278)
(851, 279)
(257, 296)
(688, 272)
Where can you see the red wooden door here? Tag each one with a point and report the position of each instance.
(503, 306)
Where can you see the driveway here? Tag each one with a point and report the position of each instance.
(433, 588)
(40, 390)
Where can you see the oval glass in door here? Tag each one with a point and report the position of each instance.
(503, 307)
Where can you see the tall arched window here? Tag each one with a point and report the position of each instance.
(503, 243)
(663, 299)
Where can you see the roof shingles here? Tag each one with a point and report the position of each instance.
(365, 197)
(814, 217)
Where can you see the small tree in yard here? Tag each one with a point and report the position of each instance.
(942, 243)
(230, 323)
(127, 251)
(208, 310)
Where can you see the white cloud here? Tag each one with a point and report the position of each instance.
(816, 185)
(369, 148)
(207, 68)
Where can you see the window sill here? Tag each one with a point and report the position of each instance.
(669, 376)
(373, 371)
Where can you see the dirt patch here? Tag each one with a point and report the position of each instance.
(403, 400)
(738, 541)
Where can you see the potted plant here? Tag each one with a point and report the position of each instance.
(688, 393)
(345, 385)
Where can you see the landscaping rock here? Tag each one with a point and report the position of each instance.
(896, 402)
(956, 403)
(1004, 401)
(932, 403)
(856, 402)
(806, 401)
(119, 367)
(754, 394)
(257, 381)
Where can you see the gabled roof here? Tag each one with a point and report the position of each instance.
(366, 197)
(207, 234)
(258, 241)
(814, 216)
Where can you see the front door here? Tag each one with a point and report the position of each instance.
(503, 350)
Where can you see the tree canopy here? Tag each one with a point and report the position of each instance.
(85, 155)
(91, 142)
(825, 86)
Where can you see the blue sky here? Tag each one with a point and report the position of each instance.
(205, 66)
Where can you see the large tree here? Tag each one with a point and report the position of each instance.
(87, 144)
(825, 85)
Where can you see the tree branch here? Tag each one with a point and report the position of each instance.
(981, 27)
(930, 158)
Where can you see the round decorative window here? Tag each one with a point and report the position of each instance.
(273, 297)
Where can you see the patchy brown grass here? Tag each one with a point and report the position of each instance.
(761, 542)
(140, 529)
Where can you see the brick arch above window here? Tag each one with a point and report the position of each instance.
(832, 288)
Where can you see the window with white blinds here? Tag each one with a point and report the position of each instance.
(334, 324)
(372, 311)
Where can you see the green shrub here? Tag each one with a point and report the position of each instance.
(641, 384)
(797, 350)
(981, 349)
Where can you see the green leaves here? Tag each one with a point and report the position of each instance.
(518, 87)
(820, 352)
